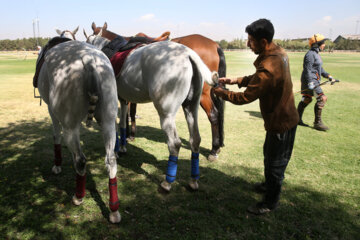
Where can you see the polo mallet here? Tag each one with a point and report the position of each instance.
(323, 83)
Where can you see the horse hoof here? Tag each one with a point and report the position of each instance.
(213, 157)
(115, 217)
(77, 201)
(131, 139)
(194, 185)
(166, 186)
(56, 169)
(123, 150)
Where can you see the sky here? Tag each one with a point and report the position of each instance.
(221, 19)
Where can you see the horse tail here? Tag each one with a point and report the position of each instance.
(219, 102)
(210, 78)
(93, 92)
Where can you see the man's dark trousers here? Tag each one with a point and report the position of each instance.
(277, 153)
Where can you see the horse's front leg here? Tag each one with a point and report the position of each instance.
(57, 143)
(174, 143)
(120, 146)
(133, 121)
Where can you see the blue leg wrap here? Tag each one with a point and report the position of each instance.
(123, 136)
(195, 171)
(171, 169)
(117, 146)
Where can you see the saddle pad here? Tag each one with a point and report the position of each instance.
(118, 60)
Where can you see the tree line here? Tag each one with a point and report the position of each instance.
(295, 45)
(22, 44)
(291, 45)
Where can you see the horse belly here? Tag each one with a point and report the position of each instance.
(132, 92)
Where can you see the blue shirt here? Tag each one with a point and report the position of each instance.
(313, 70)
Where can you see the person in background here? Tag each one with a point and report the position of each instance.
(272, 85)
(38, 49)
(310, 81)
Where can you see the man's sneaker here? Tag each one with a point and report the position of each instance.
(260, 208)
(260, 187)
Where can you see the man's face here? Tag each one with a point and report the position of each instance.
(255, 45)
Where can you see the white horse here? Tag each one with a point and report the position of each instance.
(67, 33)
(77, 80)
(170, 75)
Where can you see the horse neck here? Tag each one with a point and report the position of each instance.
(109, 35)
(100, 42)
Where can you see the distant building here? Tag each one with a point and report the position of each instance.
(347, 37)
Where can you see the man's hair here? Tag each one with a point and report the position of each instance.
(261, 28)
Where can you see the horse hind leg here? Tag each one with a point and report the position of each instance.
(191, 115)
(174, 143)
(109, 129)
(56, 169)
(72, 138)
(214, 115)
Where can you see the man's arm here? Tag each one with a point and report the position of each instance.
(256, 86)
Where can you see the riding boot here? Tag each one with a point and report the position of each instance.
(301, 107)
(318, 124)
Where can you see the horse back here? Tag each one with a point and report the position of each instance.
(204, 47)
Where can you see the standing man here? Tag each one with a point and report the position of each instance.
(310, 81)
(271, 84)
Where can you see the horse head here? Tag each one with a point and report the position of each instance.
(100, 36)
(67, 33)
(102, 31)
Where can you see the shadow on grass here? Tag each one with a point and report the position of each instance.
(254, 114)
(36, 204)
(157, 135)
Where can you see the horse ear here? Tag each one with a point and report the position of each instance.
(85, 34)
(75, 31)
(93, 26)
(105, 26)
(58, 31)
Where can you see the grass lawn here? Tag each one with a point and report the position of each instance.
(320, 198)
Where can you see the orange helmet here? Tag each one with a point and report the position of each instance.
(316, 38)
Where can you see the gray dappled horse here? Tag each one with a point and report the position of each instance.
(170, 75)
(77, 80)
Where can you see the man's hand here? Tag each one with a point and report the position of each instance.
(218, 91)
(225, 80)
(332, 80)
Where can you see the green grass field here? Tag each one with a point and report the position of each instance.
(320, 198)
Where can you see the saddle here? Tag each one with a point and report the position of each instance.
(52, 42)
(162, 37)
(119, 48)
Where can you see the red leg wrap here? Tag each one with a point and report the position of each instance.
(80, 186)
(114, 201)
(57, 153)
